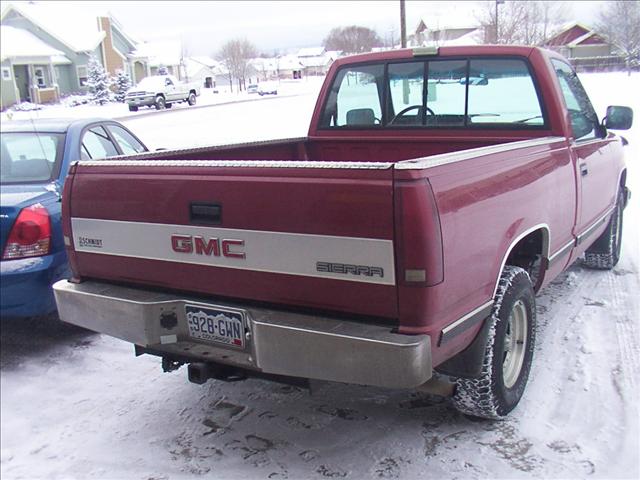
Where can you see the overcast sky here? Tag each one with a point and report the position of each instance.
(204, 26)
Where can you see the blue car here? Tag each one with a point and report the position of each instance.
(35, 159)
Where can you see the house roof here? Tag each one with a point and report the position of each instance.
(193, 65)
(17, 42)
(289, 62)
(159, 53)
(75, 28)
(311, 52)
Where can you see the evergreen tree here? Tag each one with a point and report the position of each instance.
(121, 82)
(98, 82)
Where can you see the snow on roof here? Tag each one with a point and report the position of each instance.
(193, 65)
(204, 60)
(474, 37)
(159, 53)
(311, 52)
(319, 61)
(453, 18)
(289, 62)
(75, 27)
(17, 42)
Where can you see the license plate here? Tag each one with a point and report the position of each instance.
(216, 325)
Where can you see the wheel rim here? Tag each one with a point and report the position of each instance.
(515, 342)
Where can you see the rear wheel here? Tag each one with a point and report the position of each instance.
(160, 102)
(508, 353)
(133, 108)
(192, 98)
(604, 254)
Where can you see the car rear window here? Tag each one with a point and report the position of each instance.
(29, 157)
(435, 93)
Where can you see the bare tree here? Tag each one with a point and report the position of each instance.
(352, 39)
(235, 55)
(521, 22)
(619, 21)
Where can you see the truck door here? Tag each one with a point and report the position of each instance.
(597, 179)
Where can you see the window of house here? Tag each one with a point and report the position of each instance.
(82, 75)
(6, 73)
(41, 74)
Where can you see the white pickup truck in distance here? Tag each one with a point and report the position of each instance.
(161, 91)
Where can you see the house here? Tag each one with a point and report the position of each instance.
(28, 68)
(202, 69)
(585, 48)
(151, 58)
(315, 60)
(441, 31)
(46, 51)
(289, 67)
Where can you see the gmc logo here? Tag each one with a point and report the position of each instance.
(213, 247)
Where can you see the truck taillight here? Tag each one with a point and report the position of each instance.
(30, 235)
(418, 236)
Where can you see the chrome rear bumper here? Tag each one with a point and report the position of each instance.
(276, 342)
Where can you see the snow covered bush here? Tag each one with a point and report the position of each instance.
(163, 70)
(74, 100)
(121, 83)
(98, 82)
(26, 107)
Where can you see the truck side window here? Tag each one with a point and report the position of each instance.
(584, 121)
(501, 91)
(355, 98)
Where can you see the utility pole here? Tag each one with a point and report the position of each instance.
(403, 26)
(498, 2)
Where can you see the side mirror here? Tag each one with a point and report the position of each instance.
(618, 118)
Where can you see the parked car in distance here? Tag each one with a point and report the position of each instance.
(161, 91)
(252, 88)
(268, 88)
(36, 156)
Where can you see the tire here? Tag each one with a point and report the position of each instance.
(604, 254)
(508, 353)
(168, 105)
(133, 108)
(160, 103)
(191, 99)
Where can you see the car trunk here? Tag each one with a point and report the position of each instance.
(297, 235)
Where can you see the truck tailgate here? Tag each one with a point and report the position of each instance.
(304, 234)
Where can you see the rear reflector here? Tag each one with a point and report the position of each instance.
(30, 235)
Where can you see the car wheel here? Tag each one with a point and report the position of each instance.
(168, 105)
(192, 99)
(160, 103)
(508, 352)
(133, 108)
(604, 254)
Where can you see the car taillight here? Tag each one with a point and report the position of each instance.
(30, 235)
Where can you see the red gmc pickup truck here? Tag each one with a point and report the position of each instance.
(400, 244)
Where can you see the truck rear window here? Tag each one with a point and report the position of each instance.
(475, 92)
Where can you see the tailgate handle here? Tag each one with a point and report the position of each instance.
(209, 213)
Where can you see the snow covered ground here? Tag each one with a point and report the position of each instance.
(119, 111)
(77, 405)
